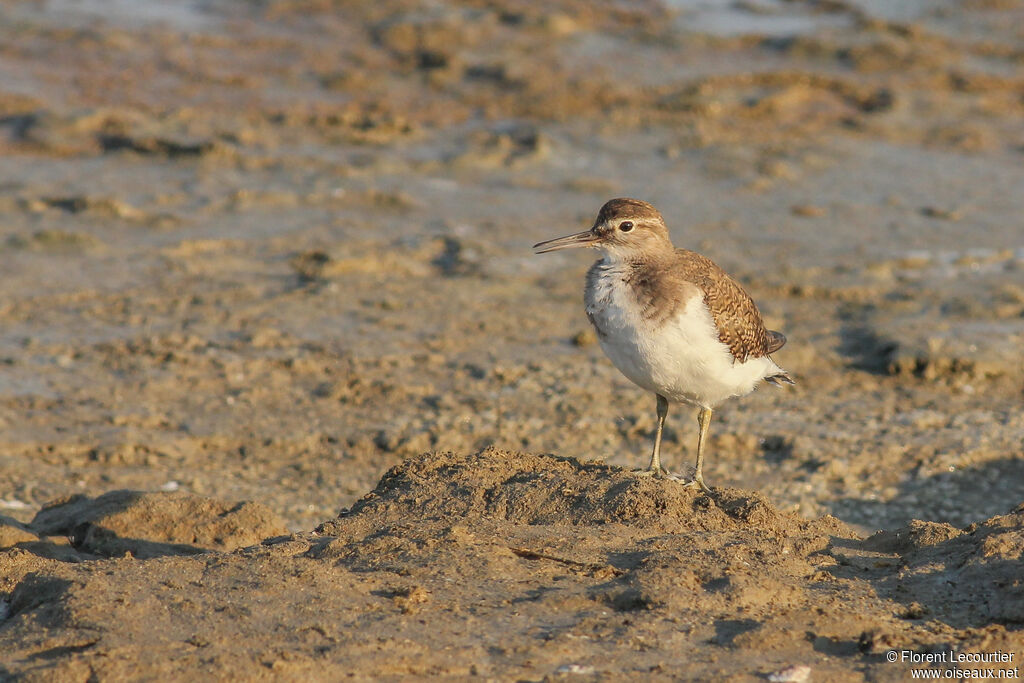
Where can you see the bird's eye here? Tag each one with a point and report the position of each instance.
(626, 226)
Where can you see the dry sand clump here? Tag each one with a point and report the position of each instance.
(500, 564)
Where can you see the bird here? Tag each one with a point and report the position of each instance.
(671, 320)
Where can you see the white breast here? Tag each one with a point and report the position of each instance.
(682, 359)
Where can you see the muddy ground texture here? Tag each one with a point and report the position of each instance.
(271, 252)
(504, 565)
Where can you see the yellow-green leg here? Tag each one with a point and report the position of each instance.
(703, 421)
(656, 469)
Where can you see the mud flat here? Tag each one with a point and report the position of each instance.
(267, 252)
(501, 565)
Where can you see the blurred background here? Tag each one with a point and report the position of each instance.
(267, 249)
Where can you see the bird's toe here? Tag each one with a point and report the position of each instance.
(656, 472)
(695, 483)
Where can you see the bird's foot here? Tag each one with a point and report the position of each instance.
(697, 482)
(656, 472)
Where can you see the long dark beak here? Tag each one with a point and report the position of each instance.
(580, 239)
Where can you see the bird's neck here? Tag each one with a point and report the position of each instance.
(634, 259)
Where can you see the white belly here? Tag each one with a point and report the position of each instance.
(682, 359)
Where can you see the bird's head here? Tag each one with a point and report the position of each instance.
(624, 228)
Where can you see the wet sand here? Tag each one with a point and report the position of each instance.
(266, 252)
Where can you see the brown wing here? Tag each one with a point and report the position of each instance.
(738, 321)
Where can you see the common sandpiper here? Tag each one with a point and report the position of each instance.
(671, 320)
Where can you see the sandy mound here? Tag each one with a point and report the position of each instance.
(13, 532)
(502, 564)
(545, 489)
(154, 524)
(969, 577)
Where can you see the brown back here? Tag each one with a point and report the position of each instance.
(661, 291)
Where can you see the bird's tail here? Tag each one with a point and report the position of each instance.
(780, 379)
